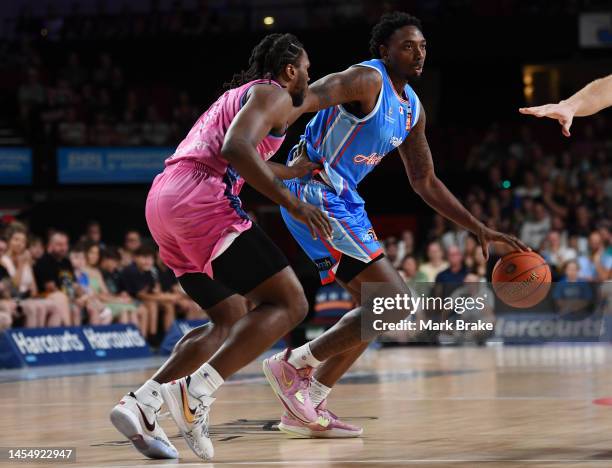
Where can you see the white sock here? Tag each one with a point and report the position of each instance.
(150, 394)
(318, 392)
(302, 357)
(205, 380)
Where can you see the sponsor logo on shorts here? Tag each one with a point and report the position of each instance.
(324, 264)
(369, 236)
(370, 160)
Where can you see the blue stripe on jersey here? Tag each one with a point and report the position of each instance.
(350, 147)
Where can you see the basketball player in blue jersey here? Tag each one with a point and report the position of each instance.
(368, 111)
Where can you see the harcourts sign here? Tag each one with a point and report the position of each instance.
(47, 346)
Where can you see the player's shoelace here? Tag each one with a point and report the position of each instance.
(304, 384)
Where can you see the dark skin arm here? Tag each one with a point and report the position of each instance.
(266, 109)
(291, 172)
(356, 88)
(416, 155)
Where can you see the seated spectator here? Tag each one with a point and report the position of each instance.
(572, 295)
(435, 263)
(476, 262)
(535, 228)
(38, 312)
(555, 254)
(169, 284)
(88, 288)
(451, 278)
(582, 227)
(406, 244)
(8, 307)
(530, 187)
(131, 242)
(93, 234)
(391, 251)
(36, 248)
(55, 278)
(597, 265)
(456, 236)
(140, 283)
(92, 254)
(415, 279)
(121, 301)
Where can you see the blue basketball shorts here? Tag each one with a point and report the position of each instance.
(353, 235)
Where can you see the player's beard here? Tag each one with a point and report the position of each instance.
(414, 79)
(298, 98)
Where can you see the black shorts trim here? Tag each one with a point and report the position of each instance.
(350, 267)
(251, 259)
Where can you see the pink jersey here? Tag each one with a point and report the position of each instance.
(204, 141)
(193, 210)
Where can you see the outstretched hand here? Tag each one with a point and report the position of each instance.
(486, 235)
(562, 112)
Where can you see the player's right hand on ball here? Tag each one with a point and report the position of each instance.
(312, 217)
(486, 235)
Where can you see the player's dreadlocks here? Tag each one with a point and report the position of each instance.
(388, 24)
(269, 58)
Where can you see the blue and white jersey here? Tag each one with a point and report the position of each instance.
(349, 147)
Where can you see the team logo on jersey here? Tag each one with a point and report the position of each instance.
(395, 141)
(401, 110)
(370, 160)
(390, 110)
(369, 236)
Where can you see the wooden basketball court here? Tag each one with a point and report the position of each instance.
(458, 407)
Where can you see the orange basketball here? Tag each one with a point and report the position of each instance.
(521, 279)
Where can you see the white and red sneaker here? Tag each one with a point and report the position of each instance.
(137, 421)
(190, 409)
(328, 425)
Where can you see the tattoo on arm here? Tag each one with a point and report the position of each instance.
(416, 154)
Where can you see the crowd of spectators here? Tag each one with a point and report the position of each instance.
(558, 202)
(78, 105)
(191, 18)
(55, 284)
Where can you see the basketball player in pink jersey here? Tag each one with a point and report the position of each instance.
(219, 256)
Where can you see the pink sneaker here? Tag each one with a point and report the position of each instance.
(291, 386)
(328, 425)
